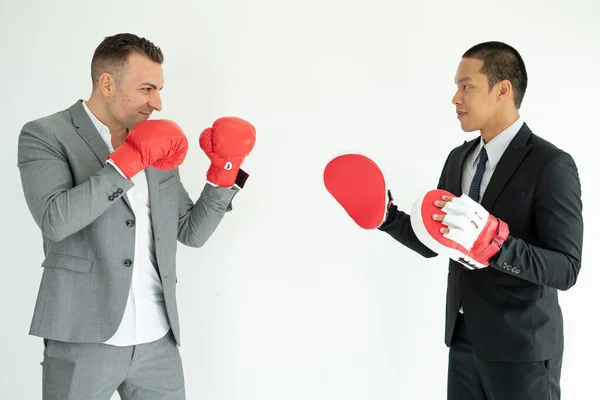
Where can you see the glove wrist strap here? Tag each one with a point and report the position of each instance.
(227, 178)
(496, 243)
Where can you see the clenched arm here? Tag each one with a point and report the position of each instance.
(58, 207)
(198, 221)
(398, 226)
(558, 217)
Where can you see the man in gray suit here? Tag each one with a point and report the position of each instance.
(101, 181)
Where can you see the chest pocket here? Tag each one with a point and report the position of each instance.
(516, 196)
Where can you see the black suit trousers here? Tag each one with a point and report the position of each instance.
(472, 378)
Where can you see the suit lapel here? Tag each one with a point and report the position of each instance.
(86, 129)
(507, 165)
(152, 178)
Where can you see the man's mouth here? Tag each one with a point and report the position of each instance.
(460, 114)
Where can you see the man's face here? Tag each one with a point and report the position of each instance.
(137, 94)
(476, 106)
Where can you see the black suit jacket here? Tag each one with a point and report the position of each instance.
(511, 307)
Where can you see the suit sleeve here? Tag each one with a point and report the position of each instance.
(199, 220)
(398, 226)
(556, 260)
(59, 207)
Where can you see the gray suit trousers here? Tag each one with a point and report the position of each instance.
(90, 371)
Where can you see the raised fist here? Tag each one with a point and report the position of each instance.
(158, 143)
(227, 143)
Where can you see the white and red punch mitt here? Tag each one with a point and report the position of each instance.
(474, 235)
(358, 185)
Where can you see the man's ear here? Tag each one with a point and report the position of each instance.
(106, 84)
(504, 90)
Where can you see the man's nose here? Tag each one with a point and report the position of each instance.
(456, 98)
(156, 102)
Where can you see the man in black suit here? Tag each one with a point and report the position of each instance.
(504, 325)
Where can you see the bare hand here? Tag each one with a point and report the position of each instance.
(440, 217)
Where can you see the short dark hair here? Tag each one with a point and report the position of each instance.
(500, 62)
(111, 54)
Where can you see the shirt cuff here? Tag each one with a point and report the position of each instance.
(109, 161)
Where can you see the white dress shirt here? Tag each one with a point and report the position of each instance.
(145, 316)
(495, 149)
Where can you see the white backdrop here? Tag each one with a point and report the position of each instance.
(289, 299)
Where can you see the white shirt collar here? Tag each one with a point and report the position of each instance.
(496, 147)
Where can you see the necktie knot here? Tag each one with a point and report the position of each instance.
(483, 157)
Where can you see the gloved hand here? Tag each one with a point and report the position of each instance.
(227, 143)
(158, 143)
(458, 227)
(358, 185)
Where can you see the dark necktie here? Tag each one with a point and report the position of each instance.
(476, 182)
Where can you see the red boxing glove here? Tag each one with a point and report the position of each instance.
(227, 143)
(158, 143)
(474, 235)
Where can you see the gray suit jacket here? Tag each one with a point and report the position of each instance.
(79, 203)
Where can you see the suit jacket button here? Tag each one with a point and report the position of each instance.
(127, 263)
(110, 198)
(130, 223)
(119, 190)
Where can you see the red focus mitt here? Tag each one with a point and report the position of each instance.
(358, 185)
(474, 235)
